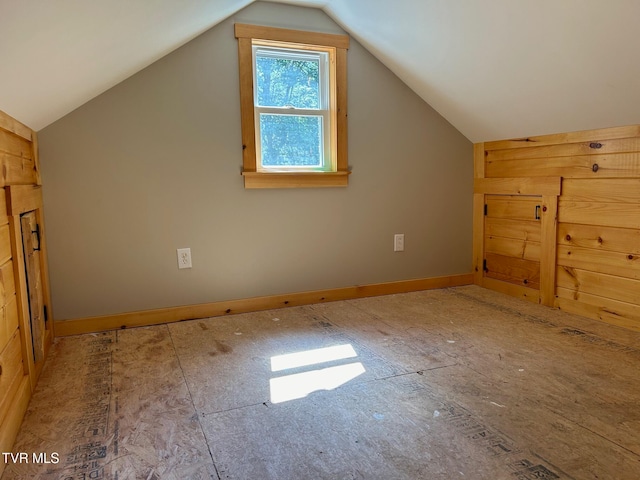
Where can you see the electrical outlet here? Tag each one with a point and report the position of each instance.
(184, 258)
(398, 242)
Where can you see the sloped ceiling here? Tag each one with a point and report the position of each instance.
(493, 68)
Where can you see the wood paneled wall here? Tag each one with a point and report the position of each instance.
(597, 226)
(19, 192)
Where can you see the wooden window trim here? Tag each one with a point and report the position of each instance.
(252, 177)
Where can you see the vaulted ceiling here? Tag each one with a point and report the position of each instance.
(493, 68)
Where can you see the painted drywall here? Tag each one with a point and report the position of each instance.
(153, 165)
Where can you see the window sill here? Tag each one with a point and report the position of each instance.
(295, 179)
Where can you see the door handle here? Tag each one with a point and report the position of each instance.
(37, 235)
(537, 212)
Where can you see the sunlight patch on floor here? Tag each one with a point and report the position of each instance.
(299, 385)
(312, 357)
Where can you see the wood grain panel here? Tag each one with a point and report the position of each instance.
(623, 314)
(513, 270)
(613, 263)
(513, 207)
(626, 215)
(614, 190)
(7, 283)
(548, 234)
(600, 284)
(612, 239)
(518, 186)
(15, 145)
(245, 61)
(4, 218)
(36, 159)
(342, 111)
(23, 198)
(579, 166)
(478, 237)
(568, 137)
(14, 126)
(511, 247)
(295, 180)
(478, 160)
(11, 372)
(5, 244)
(10, 426)
(294, 36)
(8, 321)
(622, 145)
(478, 216)
(516, 229)
(16, 170)
(513, 290)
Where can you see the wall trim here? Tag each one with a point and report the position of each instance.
(217, 309)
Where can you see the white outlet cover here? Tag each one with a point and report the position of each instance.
(398, 242)
(184, 258)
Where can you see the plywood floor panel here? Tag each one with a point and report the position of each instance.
(455, 383)
(110, 406)
(403, 344)
(526, 411)
(366, 440)
(232, 371)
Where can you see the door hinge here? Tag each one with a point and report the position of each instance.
(485, 209)
(46, 316)
(484, 265)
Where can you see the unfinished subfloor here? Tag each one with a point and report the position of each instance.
(441, 384)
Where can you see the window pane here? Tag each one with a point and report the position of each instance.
(291, 140)
(286, 82)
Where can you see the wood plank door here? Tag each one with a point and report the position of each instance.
(31, 246)
(512, 239)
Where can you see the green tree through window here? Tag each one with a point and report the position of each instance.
(291, 108)
(284, 83)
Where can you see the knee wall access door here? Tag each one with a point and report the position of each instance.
(37, 315)
(512, 239)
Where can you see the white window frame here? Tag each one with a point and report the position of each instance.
(325, 58)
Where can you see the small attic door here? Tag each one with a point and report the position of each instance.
(512, 239)
(28, 245)
(31, 247)
(515, 222)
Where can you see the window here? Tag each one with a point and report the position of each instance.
(293, 107)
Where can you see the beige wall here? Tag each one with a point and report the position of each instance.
(154, 163)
